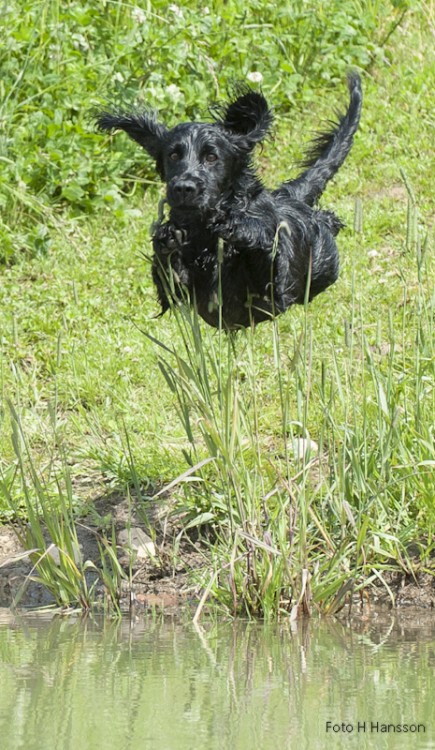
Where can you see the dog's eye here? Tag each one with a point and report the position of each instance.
(210, 158)
(174, 156)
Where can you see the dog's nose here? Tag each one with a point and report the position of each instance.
(185, 191)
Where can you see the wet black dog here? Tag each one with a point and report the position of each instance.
(241, 253)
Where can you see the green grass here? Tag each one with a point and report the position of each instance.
(98, 402)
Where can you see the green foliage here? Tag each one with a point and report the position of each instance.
(58, 60)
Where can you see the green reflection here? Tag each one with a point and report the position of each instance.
(158, 684)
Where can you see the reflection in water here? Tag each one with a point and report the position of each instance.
(156, 684)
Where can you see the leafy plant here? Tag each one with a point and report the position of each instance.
(60, 59)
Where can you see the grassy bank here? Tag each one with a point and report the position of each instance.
(308, 444)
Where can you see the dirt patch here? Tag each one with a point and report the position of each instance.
(397, 192)
(407, 591)
(160, 572)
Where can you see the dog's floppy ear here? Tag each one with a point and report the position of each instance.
(248, 115)
(141, 126)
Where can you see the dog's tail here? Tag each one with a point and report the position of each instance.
(329, 150)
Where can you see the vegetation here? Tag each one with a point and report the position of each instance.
(305, 449)
(60, 59)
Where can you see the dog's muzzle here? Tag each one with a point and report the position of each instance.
(185, 192)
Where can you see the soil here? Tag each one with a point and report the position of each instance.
(161, 580)
(165, 580)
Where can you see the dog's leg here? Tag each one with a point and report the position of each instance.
(171, 275)
(243, 226)
(266, 245)
(285, 255)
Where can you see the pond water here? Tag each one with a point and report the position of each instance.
(155, 683)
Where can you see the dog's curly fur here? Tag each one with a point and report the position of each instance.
(228, 240)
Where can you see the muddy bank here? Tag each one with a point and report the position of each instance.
(163, 568)
(159, 568)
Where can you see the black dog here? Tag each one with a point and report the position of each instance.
(241, 253)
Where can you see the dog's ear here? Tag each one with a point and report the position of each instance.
(142, 127)
(248, 115)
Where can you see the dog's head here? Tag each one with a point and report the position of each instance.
(198, 161)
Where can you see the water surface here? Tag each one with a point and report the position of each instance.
(155, 683)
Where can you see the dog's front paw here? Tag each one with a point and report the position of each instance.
(167, 238)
